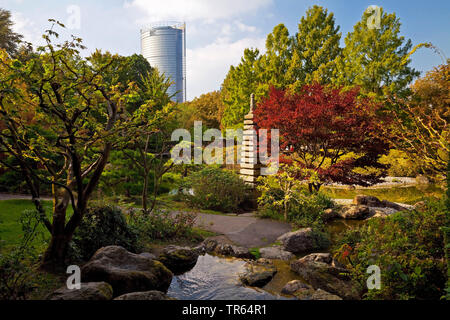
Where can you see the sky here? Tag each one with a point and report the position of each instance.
(218, 31)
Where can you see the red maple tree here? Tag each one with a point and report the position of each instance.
(328, 130)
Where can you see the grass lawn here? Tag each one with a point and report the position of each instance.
(10, 227)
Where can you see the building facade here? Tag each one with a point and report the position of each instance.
(164, 46)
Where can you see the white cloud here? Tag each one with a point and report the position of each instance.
(25, 27)
(207, 66)
(194, 10)
(245, 28)
(217, 34)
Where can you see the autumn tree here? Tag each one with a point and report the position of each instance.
(76, 117)
(421, 122)
(375, 59)
(326, 131)
(207, 108)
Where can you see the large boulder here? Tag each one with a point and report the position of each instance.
(258, 273)
(369, 201)
(374, 202)
(126, 272)
(355, 212)
(276, 253)
(179, 259)
(321, 273)
(303, 240)
(88, 291)
(303, 291)
(147, 295)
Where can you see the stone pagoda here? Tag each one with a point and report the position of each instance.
(250, 168)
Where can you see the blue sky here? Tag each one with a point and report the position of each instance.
(219, 30)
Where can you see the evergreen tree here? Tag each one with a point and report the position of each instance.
(240, 83)
(9, 40)
(376, 59)
(315, 48)
(276, 61)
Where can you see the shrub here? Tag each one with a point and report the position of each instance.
(409, 249)
(300, 207)
(102, 225)
(216, 189)
(162, 225)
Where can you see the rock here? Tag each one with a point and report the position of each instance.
(148, 255)
(88, 291)
(303, 291)
(393, 205)
(242, 253)
(421, 179)
(258, 274)
(147, 295)
(326, 276)
(126, 272)
(369, 201)
(230, 250)
(329, 215)
(224, 247)
(355, 212)
(209, 245)
(323, 295)
(295, 285)
(374, 202)
(276, 253)
(179, 259)
(303, 240)
(319, 257)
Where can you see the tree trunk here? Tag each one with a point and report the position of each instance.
(55, 255)
(145, 191)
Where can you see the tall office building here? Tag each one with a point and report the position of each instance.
(164, 46)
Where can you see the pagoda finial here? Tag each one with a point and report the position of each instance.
(252, 102)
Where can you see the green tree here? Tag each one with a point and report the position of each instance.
(376, 59)
(276, 61)
(240, 83)
(9, 40)
(60, 119)
(148, 149)
(315, 49)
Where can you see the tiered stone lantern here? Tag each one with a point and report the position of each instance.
(250, 167)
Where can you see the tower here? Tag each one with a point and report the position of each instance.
(164, 46)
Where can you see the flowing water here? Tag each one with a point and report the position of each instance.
(217, 278)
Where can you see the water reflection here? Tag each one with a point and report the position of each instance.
(216, 278)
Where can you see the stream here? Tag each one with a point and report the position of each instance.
(217, 278)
